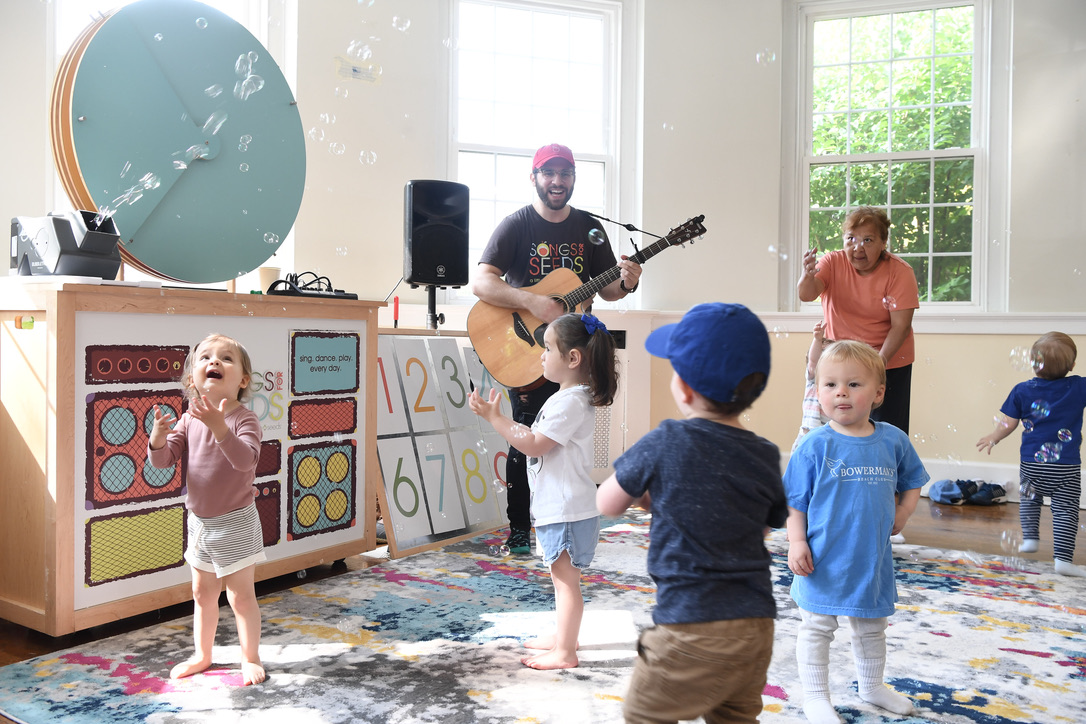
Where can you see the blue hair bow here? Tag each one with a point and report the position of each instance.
(591, 324)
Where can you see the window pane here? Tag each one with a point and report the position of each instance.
(910, 231)
(954, 179)
(951, 278)
(953, 79)
(830, 89)
(828, 186)
(830, 134)
(870, 38)
(912, 82)
(920, 268)
(952, 228)
(869, 182)
(911, 182)
(912, 129)
(870, 132)
(954, 30)
(953, 127)
(825, 230)
(871, 85)
(912, 34)
(831, 41)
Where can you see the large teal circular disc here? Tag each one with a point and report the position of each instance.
(202, 166)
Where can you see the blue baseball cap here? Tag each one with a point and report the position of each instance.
(713, 348)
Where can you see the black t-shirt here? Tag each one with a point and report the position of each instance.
(526, 247)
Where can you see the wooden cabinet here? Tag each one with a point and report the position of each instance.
(88, 534)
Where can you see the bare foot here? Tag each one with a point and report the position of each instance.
(543, 643)
(550, 660)
(189, 667)
(252, 672)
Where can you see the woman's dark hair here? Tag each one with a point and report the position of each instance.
(598, 348)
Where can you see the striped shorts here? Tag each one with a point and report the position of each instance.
(226, 543)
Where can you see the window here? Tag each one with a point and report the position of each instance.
(896, 116)
(526, 74)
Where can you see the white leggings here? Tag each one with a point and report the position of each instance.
(813, 651)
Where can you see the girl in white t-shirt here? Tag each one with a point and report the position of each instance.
(578, 354)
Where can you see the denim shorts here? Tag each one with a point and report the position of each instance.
(579, 538)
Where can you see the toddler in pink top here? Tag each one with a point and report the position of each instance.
(222, 439)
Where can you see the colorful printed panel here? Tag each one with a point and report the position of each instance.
(134, 363)
(134, 544)
(118, 426)
(322, 488)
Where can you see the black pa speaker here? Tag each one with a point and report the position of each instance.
(435, 233)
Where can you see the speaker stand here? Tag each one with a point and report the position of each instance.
(432, 317)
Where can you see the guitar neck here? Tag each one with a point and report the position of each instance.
(590, 288)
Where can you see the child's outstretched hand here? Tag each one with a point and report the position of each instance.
(819, 330)
(986, 443)
(214, 417)
(164, 420)
(799, 558)
(486, 409)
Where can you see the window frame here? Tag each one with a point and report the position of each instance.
(990, 143)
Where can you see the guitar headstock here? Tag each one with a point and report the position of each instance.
(689, 231)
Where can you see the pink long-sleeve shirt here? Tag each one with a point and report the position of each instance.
(219, 475)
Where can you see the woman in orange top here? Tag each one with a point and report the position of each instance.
(868, 294)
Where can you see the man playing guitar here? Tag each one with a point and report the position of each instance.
(527, 245)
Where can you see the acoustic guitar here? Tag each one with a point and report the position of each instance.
(509, 341)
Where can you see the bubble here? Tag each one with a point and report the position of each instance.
(503, 550)
(246, 139)
(780, 333)
(429, 448)
(765, 57)
(341, 251)
(954, 458)
(401, 24)
(493, 551)
(596, 237)
(201, 23)
(336, 148)
(196, 151)
(1064, 435)
(1000, 420)
(359, 50)
(316, 133)
(1041, 456)
(1026, 491)
(158, 37)
(243, 147)
(271, 238)
(243, 167)
(480, 447)
(180, 165)
(252, 56)
(889, 302)
(367, 158)
(669, 127)
(340, 92)
(1027, 425)
(952, 428)
(1038, 362)
(243, 66)
(1020, 359)
(245, 88)
(214, 123)
(327, 118)
(497, 486)
(1039, 409)
(1010, 541)
(213, 91)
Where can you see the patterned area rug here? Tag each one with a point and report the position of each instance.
(437, 638)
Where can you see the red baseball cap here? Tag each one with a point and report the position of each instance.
(552, 151)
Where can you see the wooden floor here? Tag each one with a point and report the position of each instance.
(965, 528)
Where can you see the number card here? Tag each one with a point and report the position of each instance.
(418, 380)
(403, 489)
(443, 495)
(480, 496)
(484, 382)
(391, 412)
(453, 381)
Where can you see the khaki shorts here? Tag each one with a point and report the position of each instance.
(226, 543)
(715, 669)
